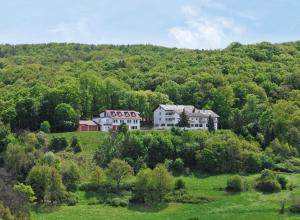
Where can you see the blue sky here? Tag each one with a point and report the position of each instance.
(201, 24)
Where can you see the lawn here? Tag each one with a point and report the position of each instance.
(247, 205)
(90, 141)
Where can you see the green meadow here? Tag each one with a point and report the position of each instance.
(250, 205)
(246, 205)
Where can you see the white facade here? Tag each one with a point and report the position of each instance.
(109, 120)
(167, 116)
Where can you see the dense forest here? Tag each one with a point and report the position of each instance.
(254, 88)
(48, 87)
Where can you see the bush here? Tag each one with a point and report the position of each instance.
(177, 166)
(75, 145)
(45, 127)
(295, 204)
(70, 199)
(252, 163)
(179, 184)
(58, 144)
(282, 181)
(116, 202)
(268, 182)
(183, 197)
(235, 184)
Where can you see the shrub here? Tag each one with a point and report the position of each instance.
(295, 204)
(58, 144)
(45, 127)
(75, 145)
(177, 166)
(118, 202)
(179, 184)
(282, 181)
(235, 184)
(252, 163)
(268, 182)
(70, 199)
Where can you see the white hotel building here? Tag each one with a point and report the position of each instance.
(167, 116)
(109, 120)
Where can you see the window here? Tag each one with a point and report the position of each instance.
(196, 125)
(206, 125)
(192, 125)
(200, 125)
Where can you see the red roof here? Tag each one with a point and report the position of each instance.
(123, 114)
(87, 122)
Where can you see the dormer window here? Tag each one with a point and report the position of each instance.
(119, 114)
(133, 114)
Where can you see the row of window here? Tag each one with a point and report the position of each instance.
(127, 121)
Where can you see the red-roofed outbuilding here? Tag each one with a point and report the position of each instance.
(87, 125)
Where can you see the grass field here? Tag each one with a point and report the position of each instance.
(90, 141)
(249, 205)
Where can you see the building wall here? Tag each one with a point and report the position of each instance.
(108, 124)
(162, 120)
(88, 128)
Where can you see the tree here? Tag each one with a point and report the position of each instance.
(211, 124)
(58, 144)
(38, 179)
(123, 128)
(184, 120)
(45, 127)
(65, 118)
(5, 213)
(4, 140)
(98, 175)
(26, 115)
(26, 197)
(56, 189)
(152, 185)
(161, 182)
(70, 176)
(118, 170)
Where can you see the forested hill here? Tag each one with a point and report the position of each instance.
(254, 88)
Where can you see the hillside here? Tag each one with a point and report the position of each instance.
(247, 85)
(250, 165)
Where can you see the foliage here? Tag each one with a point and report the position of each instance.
(268, 182)
(179, 184)
(58, 144)
(70, 176)
(153, 185)
(235, 184)
(56, 189)
(65, 117)
(45, 127)
(38, 179)
(295, 204)
(98, 175)
(117, 170)
(183, 120)
(5, 213)
(75, 145)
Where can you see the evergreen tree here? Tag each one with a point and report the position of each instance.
(184, 120)
(211, 124)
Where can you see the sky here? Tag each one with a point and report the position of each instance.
(195, 24)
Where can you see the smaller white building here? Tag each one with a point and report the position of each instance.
(168, 116)
(109, 120)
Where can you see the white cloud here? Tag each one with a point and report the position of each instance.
(79, 31)
(205, 32)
